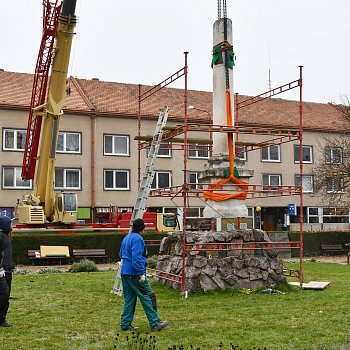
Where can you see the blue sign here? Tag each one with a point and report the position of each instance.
(7, 212)
(292, 209)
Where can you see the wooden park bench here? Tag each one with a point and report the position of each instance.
(49, 254)
(332, 249)
(92, 254)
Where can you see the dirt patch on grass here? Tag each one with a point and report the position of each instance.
(336, 259)
(63, 268)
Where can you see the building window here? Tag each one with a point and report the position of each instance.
(198, 151)
(162, 179)
(195, 220)
(271, 153)
(327, 215)
(116, 145)
(117, 180)
(68, 142)
(164, 150)
(335, 184)
(170, 210)
(13, 139)
(335, 215)
(193, 180)
(271, 180)
(307, 183)
(334, 155)
(241, 153)
(307, 154)
(11, 178)
(194, 212)
(313, 216)
(68, 179)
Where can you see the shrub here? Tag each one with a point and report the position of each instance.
(110, 241)
(152, 261)
(85, 265)
(312, 241)
(49, 270)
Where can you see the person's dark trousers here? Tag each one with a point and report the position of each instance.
(8, 277)
(133, 289)
(4, 296)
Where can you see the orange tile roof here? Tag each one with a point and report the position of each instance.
(16, 91)
(120, 99)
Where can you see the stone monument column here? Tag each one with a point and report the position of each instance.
(218, 166)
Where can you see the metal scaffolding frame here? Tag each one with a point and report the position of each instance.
(188, 190)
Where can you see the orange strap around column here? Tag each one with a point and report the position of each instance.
(219, 197)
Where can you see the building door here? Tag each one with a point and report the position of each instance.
(269, 222)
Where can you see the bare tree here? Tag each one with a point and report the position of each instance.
(343, 107)
(331, 172)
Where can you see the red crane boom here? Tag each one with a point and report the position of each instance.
(51, 11)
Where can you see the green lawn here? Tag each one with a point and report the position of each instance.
(77, 311)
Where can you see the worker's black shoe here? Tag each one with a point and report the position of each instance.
(5, 324)
(130, 328)
(159, 326)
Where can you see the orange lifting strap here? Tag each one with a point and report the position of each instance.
(219, 197)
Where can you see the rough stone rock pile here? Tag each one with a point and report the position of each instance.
(209, 270)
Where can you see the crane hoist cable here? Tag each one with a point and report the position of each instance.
(219, 8)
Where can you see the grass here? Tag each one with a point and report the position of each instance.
(76, 311)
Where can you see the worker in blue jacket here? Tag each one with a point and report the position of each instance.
(6, 268)
(135, 283)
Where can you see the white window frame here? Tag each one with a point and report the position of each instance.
(168, 147)
(114, 137)
(199, 214)
(297, 152)
(321, 214)
(269, 159)
(16, 173)
(269, 176)
(318, 216)
(155, 183)
(64, 134)
(15, 136)
(65, 171)
(330, 155)
(304, 177)
(114, 188)
(193, 173)
(333, 179)
(196, 150)
(241, 153)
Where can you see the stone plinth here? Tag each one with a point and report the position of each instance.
(225, 269)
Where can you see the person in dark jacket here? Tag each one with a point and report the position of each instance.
(134, 280)
(6, 268)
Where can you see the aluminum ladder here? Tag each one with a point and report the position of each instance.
(148, 174)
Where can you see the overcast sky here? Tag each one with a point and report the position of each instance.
(142, 42)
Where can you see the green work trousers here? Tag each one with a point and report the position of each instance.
(133, 289)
